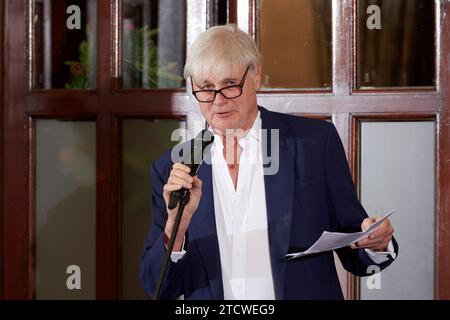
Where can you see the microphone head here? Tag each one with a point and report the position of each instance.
(207, 137)
(200, 146)
(203, 140)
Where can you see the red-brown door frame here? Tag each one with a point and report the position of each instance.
(442, 278)
(2, 103)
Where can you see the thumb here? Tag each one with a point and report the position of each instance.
(367, 222)
(197, 183)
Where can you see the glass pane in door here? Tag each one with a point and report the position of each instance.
(294, 37)
(63, 44)
(395, 44)
(65, 213)
(398, 173)
(153, 43)
(143, 141)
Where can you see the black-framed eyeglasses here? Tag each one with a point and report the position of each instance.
(229, 92)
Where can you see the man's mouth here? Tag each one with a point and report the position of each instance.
(223, 114)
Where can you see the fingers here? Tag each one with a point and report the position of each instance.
(180, 176)
(172, 187)
(367, 222)
(197, 183)
(384, 230)
(181, 167)
(177, 183)
(183, 181)
(380, 245)
(383, 246)
(370, 244)
(377, 240)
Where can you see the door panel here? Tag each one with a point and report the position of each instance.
(65, 218)
(63, 44)
(300, 58)
(398, 168)
(143, 141)
(153, 43)
(394, 42)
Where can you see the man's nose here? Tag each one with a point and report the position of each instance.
(220, 99)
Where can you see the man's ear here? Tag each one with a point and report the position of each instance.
(257, 74)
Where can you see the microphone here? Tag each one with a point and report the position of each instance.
(198, 150)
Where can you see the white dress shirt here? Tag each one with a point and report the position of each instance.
(241, 220)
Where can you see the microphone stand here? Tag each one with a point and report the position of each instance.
(183, 201)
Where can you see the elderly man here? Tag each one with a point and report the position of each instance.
(240, 222)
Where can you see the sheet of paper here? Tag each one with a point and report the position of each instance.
(335, 240)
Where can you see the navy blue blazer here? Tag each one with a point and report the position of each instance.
(313, 191)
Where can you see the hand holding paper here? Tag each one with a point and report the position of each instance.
(335, 240)
(378, 239)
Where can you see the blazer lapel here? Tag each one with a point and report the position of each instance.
(279, 188)
(202, 230)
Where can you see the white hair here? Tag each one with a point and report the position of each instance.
(218, 50)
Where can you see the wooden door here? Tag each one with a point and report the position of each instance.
(119, 99)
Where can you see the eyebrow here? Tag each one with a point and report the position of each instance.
(207, 82)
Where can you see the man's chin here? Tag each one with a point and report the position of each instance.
(222, 126)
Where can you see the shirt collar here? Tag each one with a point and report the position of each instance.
(255, 130)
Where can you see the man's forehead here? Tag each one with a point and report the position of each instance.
(220, 75)
(213, 79)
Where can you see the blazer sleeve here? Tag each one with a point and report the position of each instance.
(154, 249)
(345, 205)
